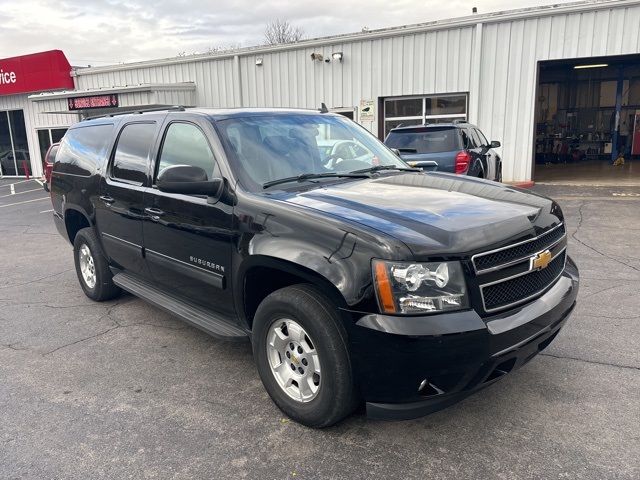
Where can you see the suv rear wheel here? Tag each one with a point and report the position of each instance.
(92, 267)
(300, 348)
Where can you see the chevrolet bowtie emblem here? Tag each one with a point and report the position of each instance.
(540, 260)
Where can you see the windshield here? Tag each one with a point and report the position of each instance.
(432, 140)
(264, 148)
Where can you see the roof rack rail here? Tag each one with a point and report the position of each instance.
(173, 108)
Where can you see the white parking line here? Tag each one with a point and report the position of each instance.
(18, 193)
(26, 201)
(15, 183)
(13, 189)
(47, 211)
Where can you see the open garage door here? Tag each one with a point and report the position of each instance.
(588, 121)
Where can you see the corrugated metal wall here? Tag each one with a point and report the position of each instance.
(510, 55)
(501, 81)
(214, 79)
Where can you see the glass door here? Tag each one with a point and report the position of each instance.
(14, 149)
(7, 161)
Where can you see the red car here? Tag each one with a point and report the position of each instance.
(49, 158)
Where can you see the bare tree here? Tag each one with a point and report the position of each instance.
(281, 31)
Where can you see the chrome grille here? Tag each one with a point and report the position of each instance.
(507, 277)
(501, 257)
(522, 288)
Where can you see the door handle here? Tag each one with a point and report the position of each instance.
(107, 199)
(154, 213)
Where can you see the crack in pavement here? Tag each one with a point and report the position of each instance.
(36, 280)
(611, 288)
(575, 232)
(108, 314)
(610, 318)
(594, 362)
(47, 305)
(116, 327)
(11, 346)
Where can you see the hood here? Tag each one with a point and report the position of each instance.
(436, 213)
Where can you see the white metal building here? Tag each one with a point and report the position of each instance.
(484, 68)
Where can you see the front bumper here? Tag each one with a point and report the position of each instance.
(456, 353)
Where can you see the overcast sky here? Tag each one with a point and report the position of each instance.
(101, 32)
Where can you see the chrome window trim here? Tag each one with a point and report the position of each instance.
(513, 262)
(526, 299)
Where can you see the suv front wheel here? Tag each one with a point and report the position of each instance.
(300, 348)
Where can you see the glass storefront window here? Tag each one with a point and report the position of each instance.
(7, 163)
(410, 107)
(443, 108)
(44, 142)
(446, 105)
(47, 136)
(20, 145)
(388, 125)
(14, 149)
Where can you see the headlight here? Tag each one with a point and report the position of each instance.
(407, 287)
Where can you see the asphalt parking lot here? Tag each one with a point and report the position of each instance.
(123, 390)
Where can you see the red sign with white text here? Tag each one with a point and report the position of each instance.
(35, 73)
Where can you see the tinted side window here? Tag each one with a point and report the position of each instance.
(83, 148)
(482, 138)
(131, 156)
(466, 141)
(473, 136)
(186, 144)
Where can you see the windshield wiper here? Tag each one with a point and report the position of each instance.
(309, 176)
(379, 168)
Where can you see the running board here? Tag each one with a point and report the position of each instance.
(197, 316)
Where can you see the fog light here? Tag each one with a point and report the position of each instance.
(413, 304)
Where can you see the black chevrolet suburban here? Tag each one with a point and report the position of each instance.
(357, 279)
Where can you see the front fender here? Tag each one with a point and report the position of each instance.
(345, 267)
(329, 248)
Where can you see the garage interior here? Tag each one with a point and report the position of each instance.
(587, 124)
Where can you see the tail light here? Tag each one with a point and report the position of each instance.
(463, 159)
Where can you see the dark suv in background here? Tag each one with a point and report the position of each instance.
(448, 147)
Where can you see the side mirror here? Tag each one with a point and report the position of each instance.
(188, 180)
(396, 151)
(494, 144)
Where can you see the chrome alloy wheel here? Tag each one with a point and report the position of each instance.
(87, 267)
(293, 360)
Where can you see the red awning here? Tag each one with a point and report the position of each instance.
(35, 73)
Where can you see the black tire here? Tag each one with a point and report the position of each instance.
(317, 315)
(104, 288)
(499, 173)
